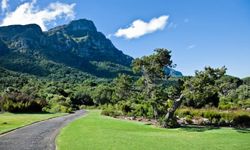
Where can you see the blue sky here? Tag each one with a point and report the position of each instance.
(199, 33)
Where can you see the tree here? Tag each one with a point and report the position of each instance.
(228, 83)
(123, 87)
(152, 69)
(203, 89)
(102, 94)
(243, 92)
(81, 98)
(246, 81)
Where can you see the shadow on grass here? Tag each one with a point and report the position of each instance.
(243, 130)
(31, 113)
(198, 128)
(207, 128)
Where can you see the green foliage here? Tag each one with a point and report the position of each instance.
(143, 109)
(153, 65)
(203, 88)
(123, 87)
(58, 103)
(82, 98)
(102, 94)
(20, 102)
(109, 110)
(153, 76)
(227, 83)
(237, 118)
(236, 98)
(243, 92)
(246, 81)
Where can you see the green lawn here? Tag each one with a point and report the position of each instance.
(96, 132)
(9, 121)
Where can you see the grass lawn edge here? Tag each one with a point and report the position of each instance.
(11, 130)
(55, 140)
(176, 131)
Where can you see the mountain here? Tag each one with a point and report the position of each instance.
(173, 73)
(76, 48)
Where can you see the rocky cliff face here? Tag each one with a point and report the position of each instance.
(77, 44)
(171, 72)
(82, 38)
(22, 38)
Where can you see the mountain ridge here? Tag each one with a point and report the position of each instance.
(77, 45)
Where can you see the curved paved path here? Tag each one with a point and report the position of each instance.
(38, 136)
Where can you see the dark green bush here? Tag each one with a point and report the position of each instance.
(20, 102)
(242, 121)
(126, 108)
(82, 99)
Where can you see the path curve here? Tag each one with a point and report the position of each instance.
(38, 136)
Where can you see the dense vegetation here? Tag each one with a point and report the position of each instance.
(216, 98)
(224, 99)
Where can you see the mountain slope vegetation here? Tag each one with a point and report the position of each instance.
(75, 48)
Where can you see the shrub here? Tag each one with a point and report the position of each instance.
(143, 110)
(237, 118)
(126, 108)
(21, 102)
(58, 103)
(212, 115)
(109, 110)
(241, 121)
(189, 119)
(182, 112)
(82, 99)
(58, 108)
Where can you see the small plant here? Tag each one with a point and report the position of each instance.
(5, 123)
(189, 119)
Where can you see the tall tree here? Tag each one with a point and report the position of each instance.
(201, 89)
(152, 70)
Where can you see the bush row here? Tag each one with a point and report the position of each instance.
(237, 118)
(128, 109)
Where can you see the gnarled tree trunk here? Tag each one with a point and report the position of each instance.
(170, 114)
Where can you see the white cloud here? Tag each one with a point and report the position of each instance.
(139, 28)
(4, 5)
(191, 46)
(28, 13)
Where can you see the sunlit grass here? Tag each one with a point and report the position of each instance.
(96, 132)
(10, 121)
